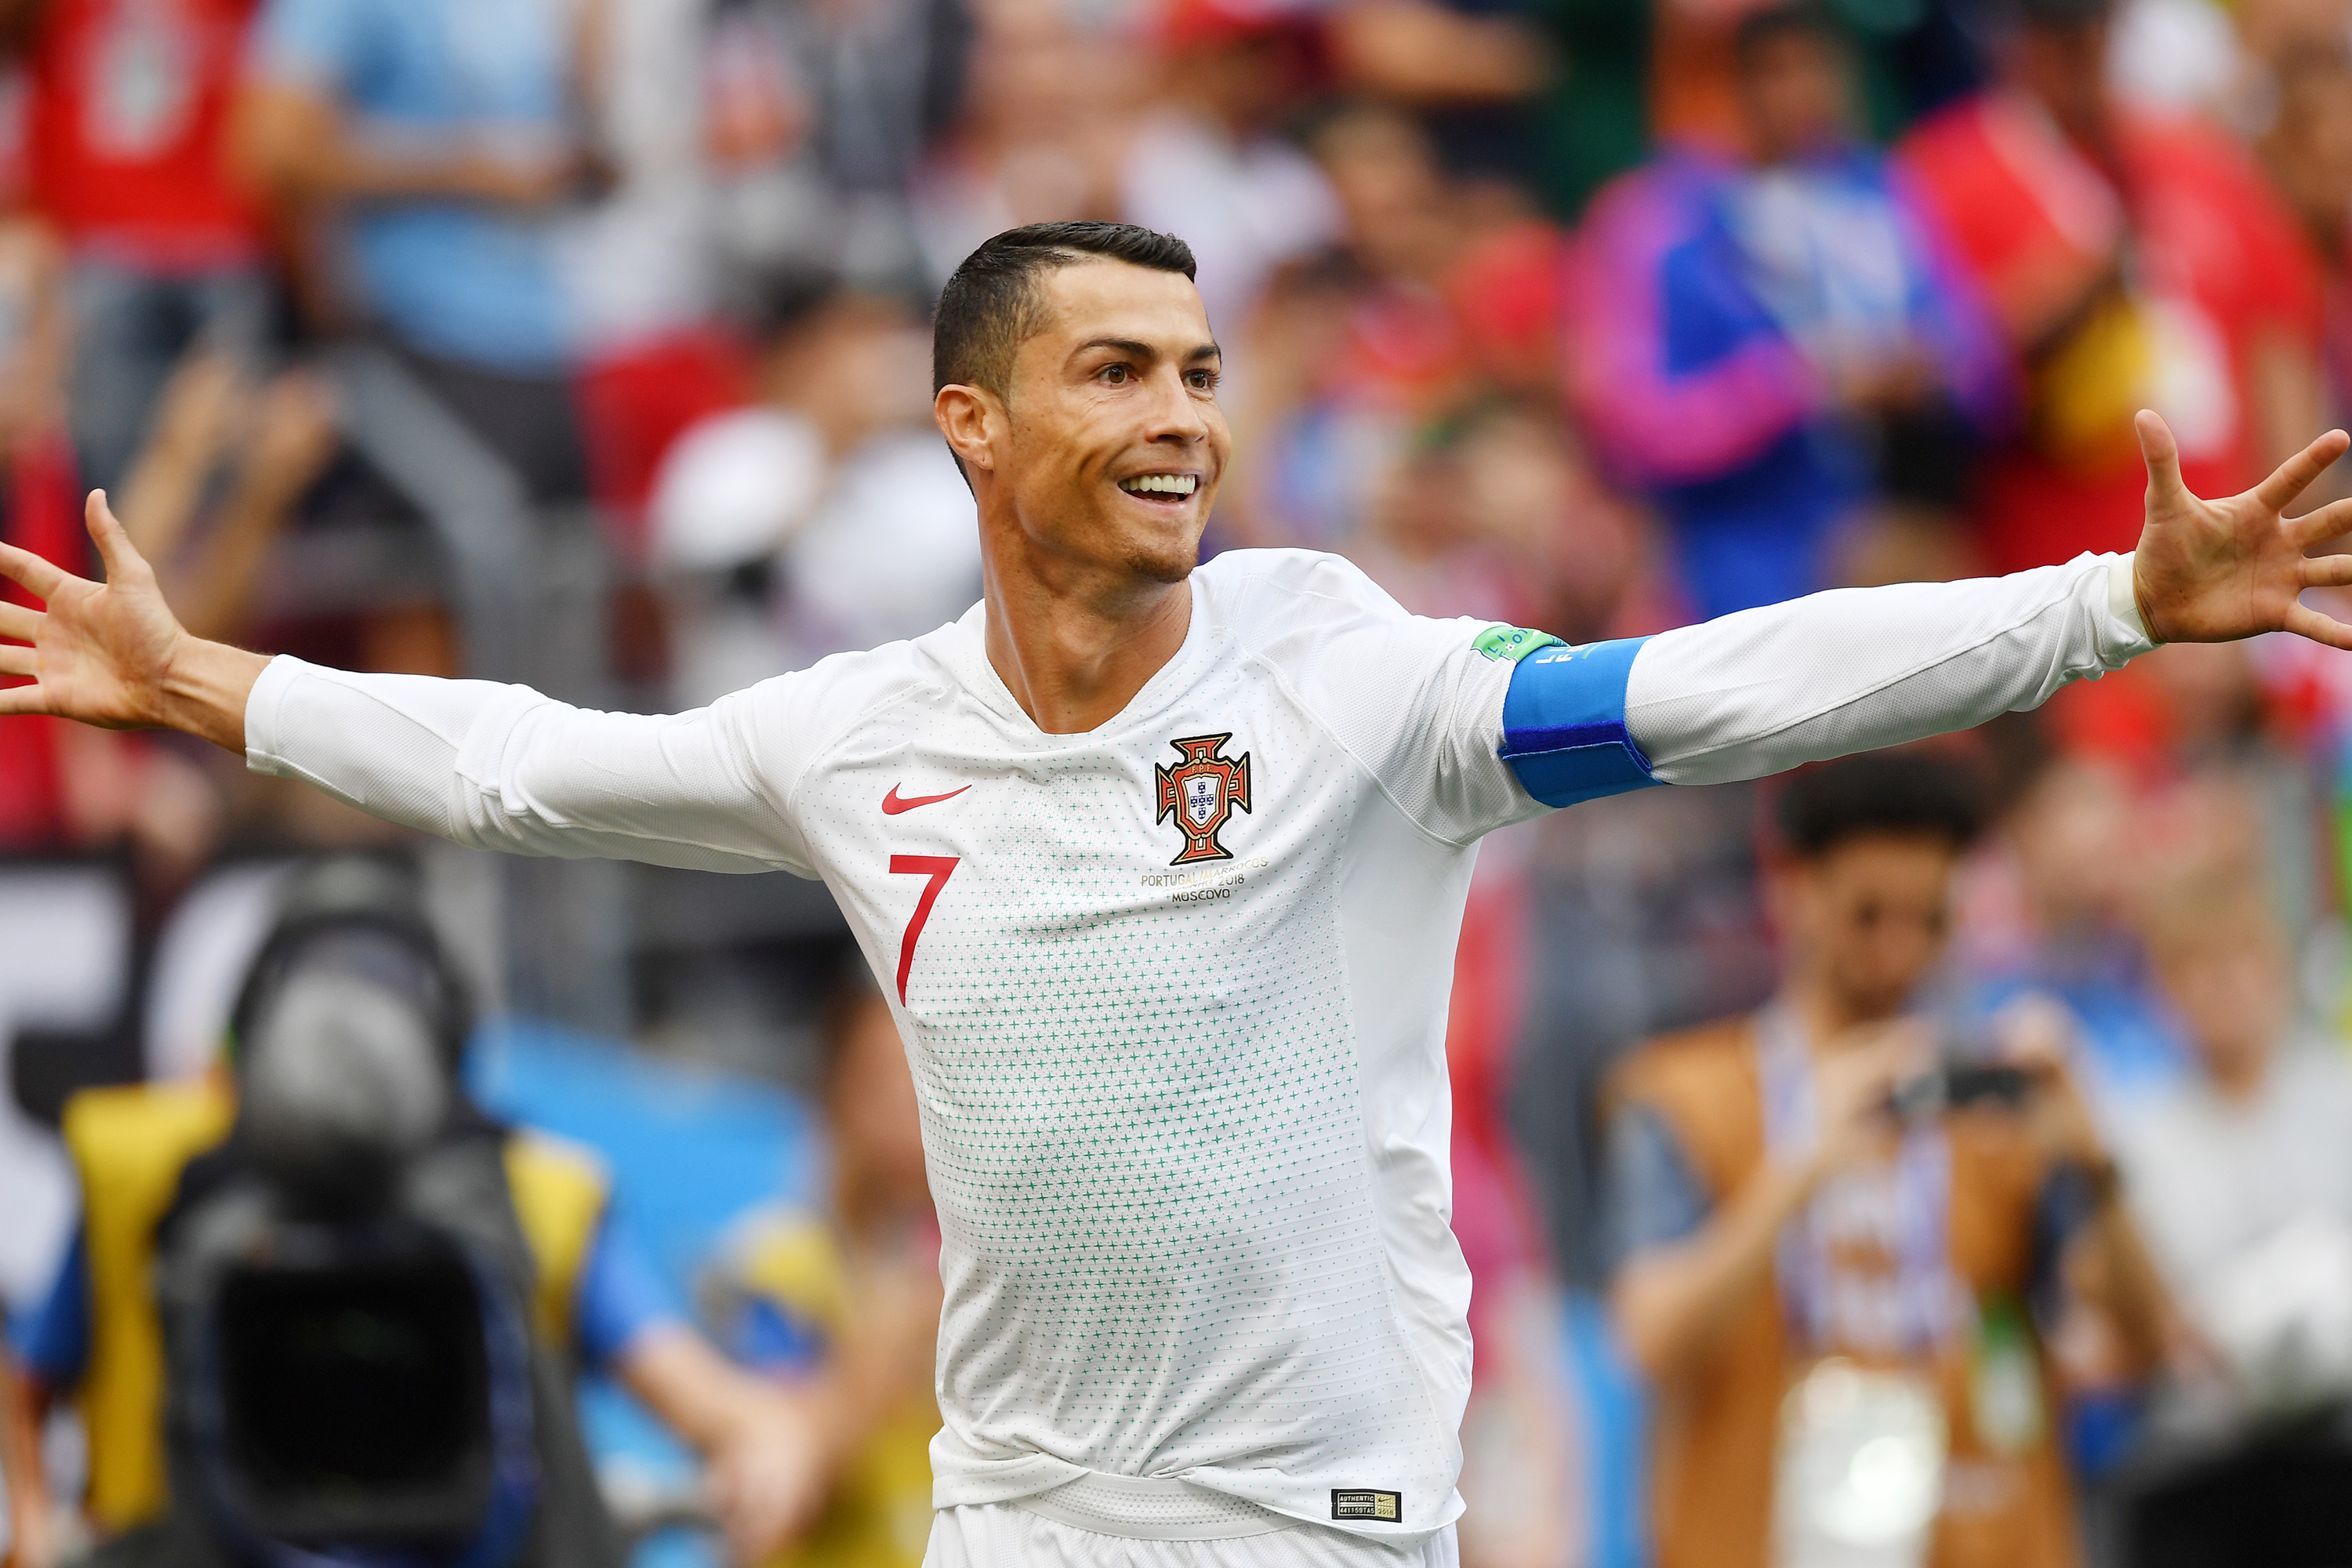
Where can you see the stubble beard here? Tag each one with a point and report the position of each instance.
(1168, 565)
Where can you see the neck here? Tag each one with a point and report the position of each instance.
(1074, 644)
(1822, 1011)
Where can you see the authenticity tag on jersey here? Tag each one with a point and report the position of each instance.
(1381, 1508)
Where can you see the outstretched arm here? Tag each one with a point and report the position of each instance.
(494, 767)
(1852, 669)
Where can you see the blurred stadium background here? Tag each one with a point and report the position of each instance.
(583, 342)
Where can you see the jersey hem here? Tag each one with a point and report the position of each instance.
(1143, 1507)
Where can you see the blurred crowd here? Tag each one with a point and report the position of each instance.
(584, 343)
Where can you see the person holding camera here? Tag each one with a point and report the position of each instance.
(2242, 1175)
(322, 1312)
(1841, 1239)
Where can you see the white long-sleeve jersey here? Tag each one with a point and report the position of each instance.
(1174, 990)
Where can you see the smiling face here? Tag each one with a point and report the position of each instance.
(1103, 454)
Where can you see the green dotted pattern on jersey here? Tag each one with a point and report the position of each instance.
(1142, 1115)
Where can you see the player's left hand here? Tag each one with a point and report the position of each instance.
(2212, 571)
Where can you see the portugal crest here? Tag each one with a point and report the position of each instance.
(1202, 792)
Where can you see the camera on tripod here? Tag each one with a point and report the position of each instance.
(345, 1288)
(353, 1378)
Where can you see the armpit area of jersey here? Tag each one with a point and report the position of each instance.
(1564, 723)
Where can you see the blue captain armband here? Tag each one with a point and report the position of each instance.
(1564, 723)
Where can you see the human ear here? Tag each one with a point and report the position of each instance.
(968, 416)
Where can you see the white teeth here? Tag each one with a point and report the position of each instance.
(1163, 484)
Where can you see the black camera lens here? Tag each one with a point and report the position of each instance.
(305, 1352)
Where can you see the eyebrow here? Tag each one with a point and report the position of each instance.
(1145, 350)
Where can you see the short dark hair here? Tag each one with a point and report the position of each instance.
(1912, 792)
(1759, 30)
(993, 304)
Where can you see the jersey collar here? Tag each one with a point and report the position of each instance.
(968, 659)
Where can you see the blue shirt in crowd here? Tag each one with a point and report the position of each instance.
(1713, 298)
(454, 279)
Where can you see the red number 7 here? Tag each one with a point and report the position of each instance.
(938, 869)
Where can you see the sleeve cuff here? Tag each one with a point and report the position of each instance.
(2123, 597)
(262, 751)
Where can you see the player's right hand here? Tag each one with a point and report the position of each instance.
(112, 653)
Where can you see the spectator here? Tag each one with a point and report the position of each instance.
(828, 515)
(1591, 118)
(1787, 1231)
(1744, 337)
(436, 139)
(38, 514)
(643, 272)
(1042, 134)
(2237, 784)
(1404, 233)
(1420, 310)
(1496, 513)
(2242, 1175)
(59, 790)
(211, 562)
(2176, 57)
(30, 1538)
(2051, 918)
(1207, 164)
(1904, 59)
(1468, 67)
(2132, 261)
(843, 1303)
(2308, 150)
(2275, 30)
(126, 128)
(821, 115)
(150, 1156)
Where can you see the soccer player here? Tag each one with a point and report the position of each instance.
(1160, 866)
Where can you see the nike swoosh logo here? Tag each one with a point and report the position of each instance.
(892, 804)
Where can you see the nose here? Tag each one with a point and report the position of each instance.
(1176, 416)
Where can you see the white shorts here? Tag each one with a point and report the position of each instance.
(1000, 1535)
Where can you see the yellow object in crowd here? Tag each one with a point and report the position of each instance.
(129, 1148)
(2086, 390)
(880, 1512)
